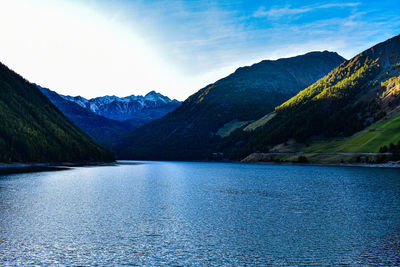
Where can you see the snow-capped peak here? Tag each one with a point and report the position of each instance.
(154, 96)
(123, 108)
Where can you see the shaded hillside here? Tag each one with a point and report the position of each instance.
(190, 132)
(32, 129)
(104, 131)
(359, 92)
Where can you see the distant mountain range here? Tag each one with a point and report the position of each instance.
(32, 129)
(192, 130)
(108, 118)
(138, 108)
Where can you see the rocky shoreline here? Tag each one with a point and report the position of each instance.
(323, 159)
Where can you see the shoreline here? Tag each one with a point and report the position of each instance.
(343, 159)
(15, 168)
(12, 168)
(387, 165)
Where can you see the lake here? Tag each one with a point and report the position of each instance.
(183, 213)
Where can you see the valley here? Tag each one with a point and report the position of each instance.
(107, 119)
(191, 132)
(317, 108)
(199, 133)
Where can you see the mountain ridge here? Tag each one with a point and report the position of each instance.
(104, 131)
(359, 92)
(126, 108)
(190, 131)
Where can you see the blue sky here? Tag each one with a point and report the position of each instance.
(124, 47)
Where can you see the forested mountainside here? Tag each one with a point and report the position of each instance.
(32, 129)
(192, 130)
(359, 92)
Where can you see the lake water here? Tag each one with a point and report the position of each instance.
(201, 213)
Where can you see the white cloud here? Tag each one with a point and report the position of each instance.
(288, 11)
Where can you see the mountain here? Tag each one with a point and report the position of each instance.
(106, 119)
(191, 131)
(140, 109)
(104, 131)
(359, 92)
(32, 129)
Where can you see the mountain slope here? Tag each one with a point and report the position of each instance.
(190, 132)
(32, 129)
(370, 140)
(104, 131)
(359, 92)
(107, 119)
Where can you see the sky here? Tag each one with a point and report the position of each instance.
(122, 47)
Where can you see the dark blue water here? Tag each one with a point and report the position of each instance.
(201, 213)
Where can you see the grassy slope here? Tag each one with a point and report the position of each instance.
(379, 134)
(334, 151)
(260, 122)
(228, 128)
